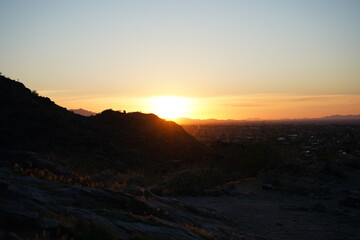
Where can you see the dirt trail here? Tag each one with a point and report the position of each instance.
(273, 214)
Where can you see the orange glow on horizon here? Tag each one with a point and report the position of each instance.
(237, 107)
(170, 107)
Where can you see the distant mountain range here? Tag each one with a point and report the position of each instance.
(342, 117)
(332, 118)
(212, 121)
(83, 112)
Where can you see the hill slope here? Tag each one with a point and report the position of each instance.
(111, 139)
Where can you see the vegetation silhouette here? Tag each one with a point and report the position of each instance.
(109, 140)
(107, 176)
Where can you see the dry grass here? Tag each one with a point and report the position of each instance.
(199, 231)
(193, 181)
(104, 179)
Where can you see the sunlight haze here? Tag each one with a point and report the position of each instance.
(198, 59)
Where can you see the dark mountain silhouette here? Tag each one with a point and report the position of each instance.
(342, 117)
(83, 112)
(110, 139)
(48, 155)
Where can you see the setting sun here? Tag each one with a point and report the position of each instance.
(170, 107)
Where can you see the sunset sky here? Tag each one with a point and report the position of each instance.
(225, 59)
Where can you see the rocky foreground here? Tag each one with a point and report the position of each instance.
(297, 208)
(32, 208)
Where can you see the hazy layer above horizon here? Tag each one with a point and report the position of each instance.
(232, 59)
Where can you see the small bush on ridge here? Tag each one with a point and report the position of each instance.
(193, 181)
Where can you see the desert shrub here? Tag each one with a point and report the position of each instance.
(106, 177)
(88, 232)
(103, 179)
(79, 230)
(290, 167)
(136, 179)
(199, 231)
(193, 181)
(272, 177)
(145, 177)
(141, 236)
(249, 158)
(35, 93)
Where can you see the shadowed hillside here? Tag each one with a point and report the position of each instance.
(66, 176)
(111, 139)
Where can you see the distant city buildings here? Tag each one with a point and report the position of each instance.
(312, 141)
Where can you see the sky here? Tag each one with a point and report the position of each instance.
(221, 59)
